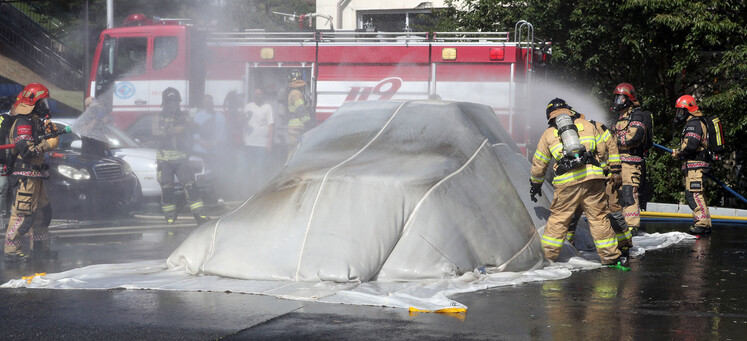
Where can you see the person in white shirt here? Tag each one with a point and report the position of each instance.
(258, 136)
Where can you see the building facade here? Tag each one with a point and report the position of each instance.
(381, 15)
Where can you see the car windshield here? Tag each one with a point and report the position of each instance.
(118, 139)
(115, 138)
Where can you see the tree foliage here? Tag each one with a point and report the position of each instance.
(665, 48)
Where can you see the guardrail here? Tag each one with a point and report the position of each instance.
(33, 45)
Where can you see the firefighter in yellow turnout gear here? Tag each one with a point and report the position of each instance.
(694, 152)
(576, 145)
(174, 132)
(31, 211)
(612, 168)
(300, 117)
(633, 132)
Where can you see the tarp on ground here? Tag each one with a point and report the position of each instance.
(428, 295)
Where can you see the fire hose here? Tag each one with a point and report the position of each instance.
(48, 135)
(709, 176)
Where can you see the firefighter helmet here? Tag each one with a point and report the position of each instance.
(686, 102)
(624, 96)
(170, 95)
(555, 104)
(684, 106)
(29, 97)
(295, 74)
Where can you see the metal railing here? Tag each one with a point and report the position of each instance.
(35, 47)
(471, 36)
(260, 36)
(263, 36)
(354, 36)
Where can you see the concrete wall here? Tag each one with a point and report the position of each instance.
(349, 8)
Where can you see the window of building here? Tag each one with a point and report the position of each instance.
(395, 20)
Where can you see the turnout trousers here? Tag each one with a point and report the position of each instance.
(591, 197)
(617, 218)
(31, 213)
(631, 176)
(622, 232)
(694, 187)
(182, 170)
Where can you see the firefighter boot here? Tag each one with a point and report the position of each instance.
(16, 257)
(201, 219)
(700, 230)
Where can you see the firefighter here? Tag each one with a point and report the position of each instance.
(633, 133)
(612, 169)
(31, 211)
(694, 152)
(173, 130)
(577, 146)
(300, 117)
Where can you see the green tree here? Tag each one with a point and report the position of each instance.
(665, 48)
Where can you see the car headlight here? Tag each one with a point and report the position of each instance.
(127, 169)
(73, 173)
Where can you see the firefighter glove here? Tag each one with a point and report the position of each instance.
(53, 142)
(49, 126)
(617, 181)
(535, 190)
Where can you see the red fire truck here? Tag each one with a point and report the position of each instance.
(138, 62)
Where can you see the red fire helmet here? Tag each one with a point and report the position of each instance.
(31, 94)
(687, 102)
(625, 89)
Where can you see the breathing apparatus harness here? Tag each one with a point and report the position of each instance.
(574, 153)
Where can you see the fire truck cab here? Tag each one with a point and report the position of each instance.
(134, 64)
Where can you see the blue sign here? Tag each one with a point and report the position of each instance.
(124, 90)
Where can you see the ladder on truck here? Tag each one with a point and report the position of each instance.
(524, 38)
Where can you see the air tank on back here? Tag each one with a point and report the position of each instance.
(572, 147)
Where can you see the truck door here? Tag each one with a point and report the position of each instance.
(123, 66)
(169, 69)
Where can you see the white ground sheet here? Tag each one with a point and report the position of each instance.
(429, 295)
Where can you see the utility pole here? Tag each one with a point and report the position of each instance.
(86, 48)
(109, 13)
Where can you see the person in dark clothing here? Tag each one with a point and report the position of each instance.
(173, 130)
(694, 153)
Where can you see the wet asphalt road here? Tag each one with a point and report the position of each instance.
(692, 291)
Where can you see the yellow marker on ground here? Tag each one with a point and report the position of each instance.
(28, 279)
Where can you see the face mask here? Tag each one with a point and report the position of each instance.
(620, 103)
(680, 115)
(172, 107)
(41, 108)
